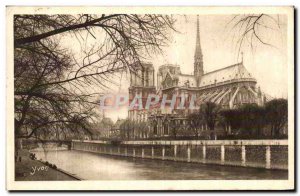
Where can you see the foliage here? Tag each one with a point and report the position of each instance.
(127, 129)
(174, 128)
(142, 127)
(277, 115)
(103, 127)
(252, 119)
(249, 118)
(195, 122)
(209, 112)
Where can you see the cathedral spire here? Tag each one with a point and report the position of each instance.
(198, 57)
(198, 51)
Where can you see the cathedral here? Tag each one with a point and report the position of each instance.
(229, 87)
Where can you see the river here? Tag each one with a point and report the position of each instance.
(91, 166)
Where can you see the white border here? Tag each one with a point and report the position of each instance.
(152, 185)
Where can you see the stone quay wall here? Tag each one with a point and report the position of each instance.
(269, 154)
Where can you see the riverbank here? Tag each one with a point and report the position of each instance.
(42, 149)
(34, 170)
(267, 154)
(96, 166)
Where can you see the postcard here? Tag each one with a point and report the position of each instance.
(150, 98)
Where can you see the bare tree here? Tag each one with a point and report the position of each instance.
(253, 30)
(56, 86)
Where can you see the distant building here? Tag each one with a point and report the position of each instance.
(100, 130)
(115, 131)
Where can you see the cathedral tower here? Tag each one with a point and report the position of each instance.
(141, 85)
(198, 57)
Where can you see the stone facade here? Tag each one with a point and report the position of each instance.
(229, 87)
(141, 84)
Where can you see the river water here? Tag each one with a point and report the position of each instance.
(92, 166)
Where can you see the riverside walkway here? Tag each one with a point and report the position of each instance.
(31, 170)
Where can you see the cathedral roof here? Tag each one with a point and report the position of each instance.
(186, 80)
(168, 65)
(232, 72)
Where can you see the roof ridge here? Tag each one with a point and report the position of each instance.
(181, 74)
(223, 68)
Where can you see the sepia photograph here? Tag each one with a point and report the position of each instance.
(150, 98)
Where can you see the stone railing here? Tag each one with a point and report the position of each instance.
(269, 154)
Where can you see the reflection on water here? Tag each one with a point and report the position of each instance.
(91, 166)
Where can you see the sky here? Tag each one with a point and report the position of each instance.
(268, 64)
